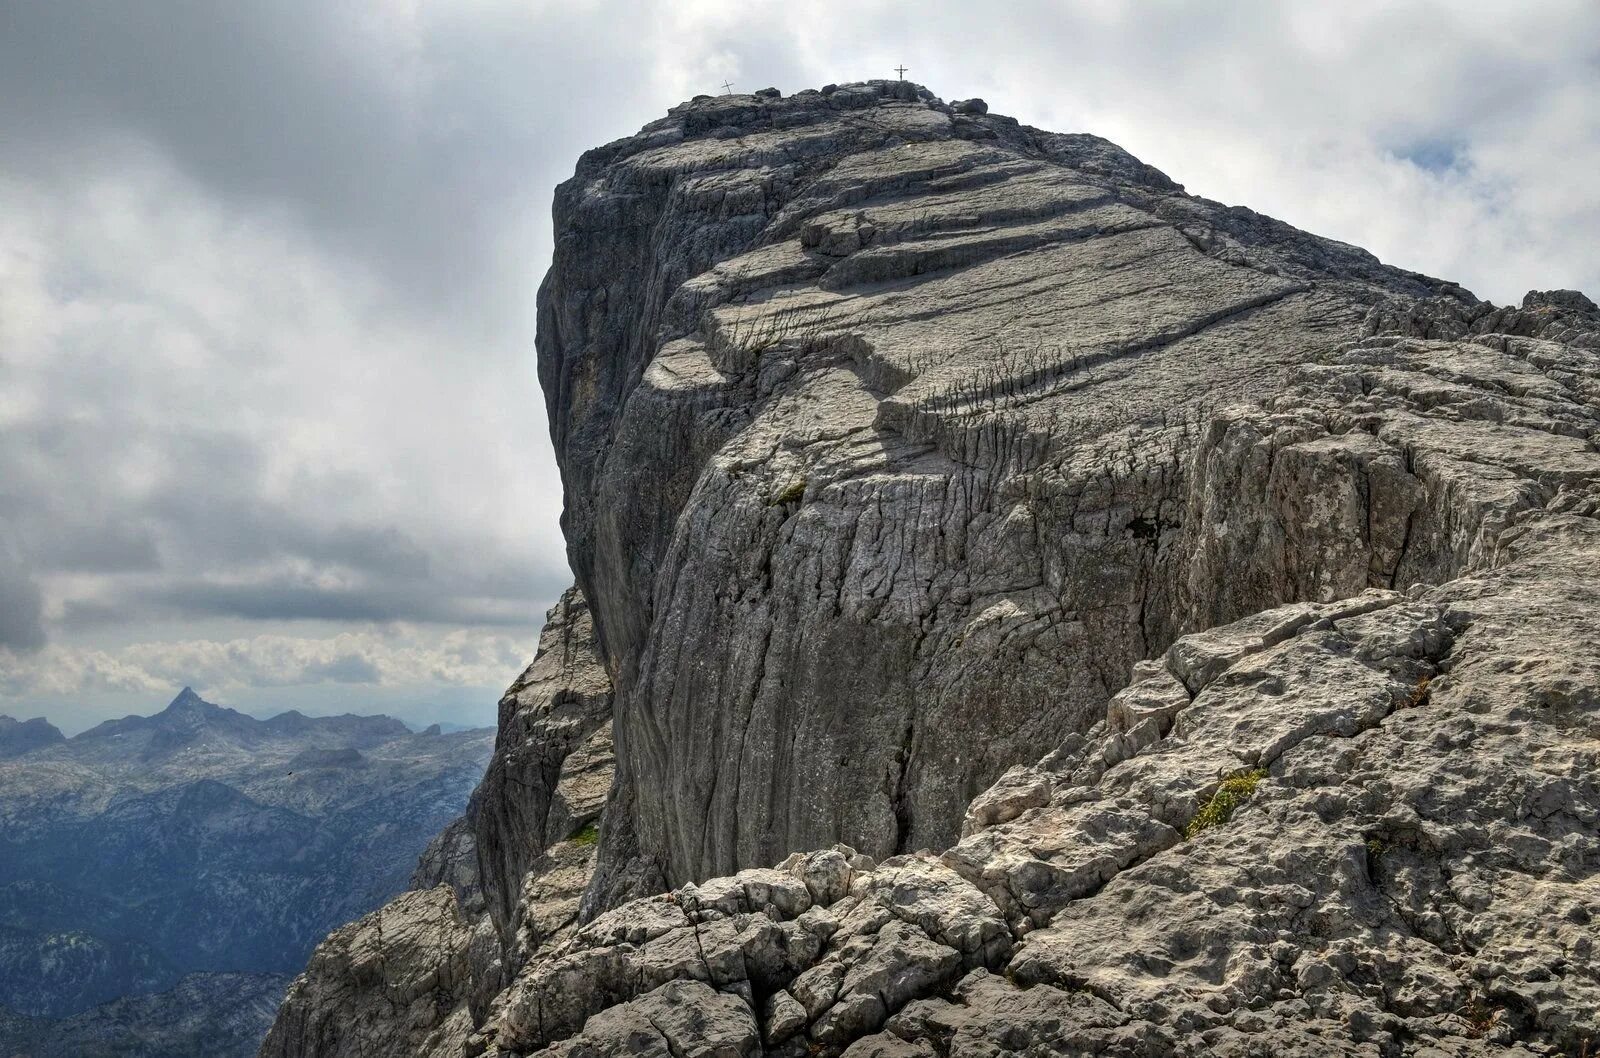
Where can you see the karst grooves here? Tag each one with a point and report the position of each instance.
(892, 436)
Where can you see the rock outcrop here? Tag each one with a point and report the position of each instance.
(535, 814)
(880, 425)
(1219, 600)
(493, 889)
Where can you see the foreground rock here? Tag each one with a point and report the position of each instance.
(905, 446)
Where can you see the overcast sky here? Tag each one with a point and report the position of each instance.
(269, 422)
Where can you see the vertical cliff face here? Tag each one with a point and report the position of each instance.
(890, 439)
(1218, 599)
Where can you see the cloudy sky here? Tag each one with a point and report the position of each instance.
(269, 422)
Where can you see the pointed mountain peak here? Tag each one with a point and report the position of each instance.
(187, 697)
(189, 708)
(189, 703)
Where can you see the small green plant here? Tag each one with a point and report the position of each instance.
(589, 835)
(1234, 791)
(791, 492)
(1375, 848)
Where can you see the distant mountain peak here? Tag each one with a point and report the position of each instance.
(189, 705)
(189, 710)
(21, 736)
(189, 717)
(187, 698)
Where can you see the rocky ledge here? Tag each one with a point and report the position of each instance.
(903, 445)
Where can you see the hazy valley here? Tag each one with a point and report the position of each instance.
(203, 850)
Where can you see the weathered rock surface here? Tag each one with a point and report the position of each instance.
(1413, 872)
(885, 429)
(547, 781)
(905, 446)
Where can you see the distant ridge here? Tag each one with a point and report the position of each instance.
(198, 840)
(23, 736)
(188, 714)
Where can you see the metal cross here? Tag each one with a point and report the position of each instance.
(727, 87)
(901, 70)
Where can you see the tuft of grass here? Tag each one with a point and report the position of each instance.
(1375, 847)
(1419, 693)
(1234, 791)
(589, 835)
(1480, 1017)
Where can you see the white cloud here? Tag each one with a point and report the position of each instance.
(398, 656)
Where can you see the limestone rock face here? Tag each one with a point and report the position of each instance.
(894, 434)
(383, 985)
(1407, 868)
(548, 778)
(1218, 600)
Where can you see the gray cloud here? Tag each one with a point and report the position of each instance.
(347, 668)
(278, 600)
(401, 661)
(21, 610)
(267, 269)
(409, 134)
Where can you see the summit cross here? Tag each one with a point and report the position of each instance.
(727, 88)
(901, 70)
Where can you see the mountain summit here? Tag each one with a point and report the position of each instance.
(186, 713)
(189, 710)
(189, 718)
(188, 701)
(1038, 611)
